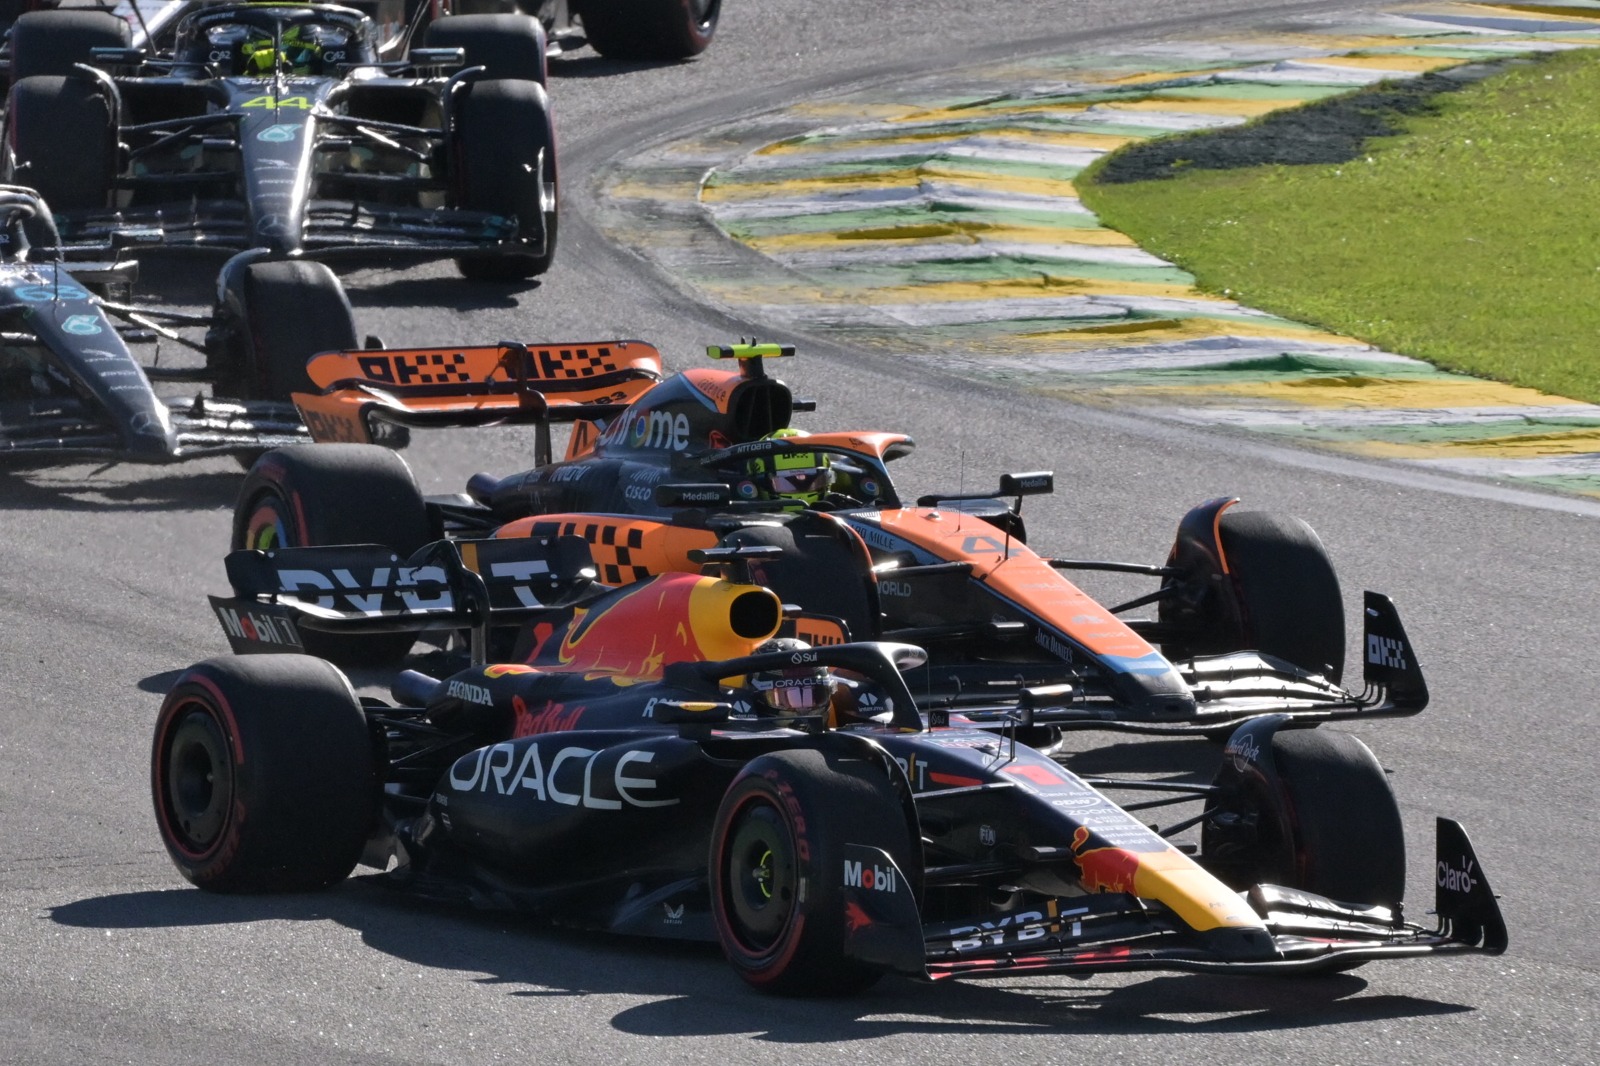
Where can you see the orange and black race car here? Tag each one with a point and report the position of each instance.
(655, 765)
(1248, 613)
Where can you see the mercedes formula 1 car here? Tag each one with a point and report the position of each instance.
(71, 388)
(1249, 615)
(653, 765)
(305, 130)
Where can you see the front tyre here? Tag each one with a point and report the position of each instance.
(275, 315)
(504, 163)
(649, 29)
(263, 775)
(776, 863)
(1314, 812)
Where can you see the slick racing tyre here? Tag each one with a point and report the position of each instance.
(61, 141)
(506, 45)
(263, 774)
(504, 162)
(52, 42)
(1280, 597)
(275, 315)
(1314, 812)
(649, 29)
(325, 494)
(775, 861)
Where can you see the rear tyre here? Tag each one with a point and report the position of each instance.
(276, 315)
(51, 42)
(326, 494)
(505, 163)
(1326, 822)
(263, 775)
(649, 29)
(61, 141)
(775, 861)
(507, 45)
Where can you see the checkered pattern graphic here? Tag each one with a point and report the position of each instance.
(573, 362)
(615, 561)
(434, 368)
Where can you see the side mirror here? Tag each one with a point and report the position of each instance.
(1033, 483)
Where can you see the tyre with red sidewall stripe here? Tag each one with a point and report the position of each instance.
(263, 774)
(777, 863)
(326, 494)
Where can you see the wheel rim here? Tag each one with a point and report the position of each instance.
(266, 528)
(760, 877)
(198, 791)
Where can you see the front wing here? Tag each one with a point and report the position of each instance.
(1118, 932)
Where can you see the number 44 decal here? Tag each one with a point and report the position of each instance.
(278, 101)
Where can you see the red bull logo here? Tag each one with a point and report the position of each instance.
(1103, 869)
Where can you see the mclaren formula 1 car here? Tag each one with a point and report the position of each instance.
(792, 803)
(305, 130)
(1249, 615)
(71, 388)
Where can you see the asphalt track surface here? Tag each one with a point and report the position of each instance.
(107, 956)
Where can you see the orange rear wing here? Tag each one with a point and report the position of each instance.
(507, 383)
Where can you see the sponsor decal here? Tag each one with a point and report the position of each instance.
(1011, 928)
(1386, 651)
(416, 368)
(1457, 878)
(282, 133)
(1054, 645)
(870, 877)
(82, 325)
(981, 545)
(461, 690)
(406, 581)
(260, 628)
(39, 294)
(661, 430)
(569, 778)
(671, 915)
(335, 428)
(1103, 869)
(554, 718)
(897, 589)
(565, 474)
(1242, 750)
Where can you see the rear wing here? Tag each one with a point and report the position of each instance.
(509, 383)
(367, 588)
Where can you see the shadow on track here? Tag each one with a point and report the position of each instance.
(122, 487)
(693, 993)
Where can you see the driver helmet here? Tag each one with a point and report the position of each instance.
(803, 477)
(801, 689)
(300, 54)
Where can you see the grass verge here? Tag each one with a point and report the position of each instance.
(1471, 239)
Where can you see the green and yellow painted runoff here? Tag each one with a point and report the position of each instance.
(940, 218)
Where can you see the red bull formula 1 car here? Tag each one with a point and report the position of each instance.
(1249, 616)
(823, 841)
